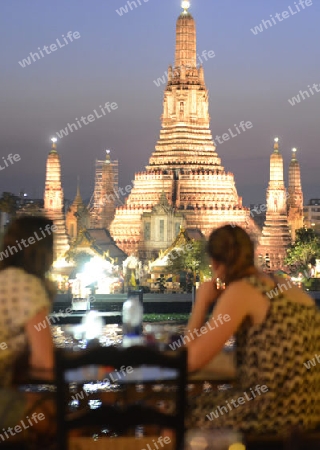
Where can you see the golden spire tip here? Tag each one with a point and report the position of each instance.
(54, 142)
(185, 4)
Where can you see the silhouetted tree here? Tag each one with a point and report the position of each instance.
(305, 250)
(9, 203)
(191, 257)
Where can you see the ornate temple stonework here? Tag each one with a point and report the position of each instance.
(158, 238)
(105, 193)
(275, 234)
(295, 197)
(77, 217)
(185, 164)
(53, 202)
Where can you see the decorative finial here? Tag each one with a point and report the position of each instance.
(54, 140)
(108, 156)
(294, 151)
(78, 186)
(185, 4)
(276, 143)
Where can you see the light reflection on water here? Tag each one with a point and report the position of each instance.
(111, 335)
(64, 337)
(67, 336)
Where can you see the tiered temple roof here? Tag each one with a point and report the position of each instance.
(185, 164)
(295, 196)
(54, 201)
(275, 234)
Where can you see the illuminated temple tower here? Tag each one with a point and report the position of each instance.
(53, 201)
(295, 196)
(105, 193)
(185, 167)
(275, 233)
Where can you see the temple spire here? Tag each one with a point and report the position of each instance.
(294, 176)
(276, 145)
(54, 200)
(276, 167)
(295, 199)
(78, 195)
(186, 40)
(275, 236)
(185, 170)
(54, 144)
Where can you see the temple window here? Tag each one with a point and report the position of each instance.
(161, 230)
(181, 110)
(147, 231)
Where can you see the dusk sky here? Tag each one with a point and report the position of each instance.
(117, 58)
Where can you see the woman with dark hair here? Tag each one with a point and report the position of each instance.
(26, 257)
(277, 329)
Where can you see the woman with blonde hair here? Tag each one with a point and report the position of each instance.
(277, 329)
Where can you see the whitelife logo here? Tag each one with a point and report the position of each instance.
(22, 426)
(241, 401)
(226, 136)
(9, 159)
(122, 191)
(312, 362)
(124, 9)
(203, 330)
(53, 47)
(31, 240)
(90, 118)
(292, 11)
(303, 95)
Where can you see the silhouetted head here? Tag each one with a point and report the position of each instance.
(28, 244)
(232, 253)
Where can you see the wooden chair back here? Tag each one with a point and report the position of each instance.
(131, 415)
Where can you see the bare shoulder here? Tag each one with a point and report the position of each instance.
(239, 287)
(238, 292)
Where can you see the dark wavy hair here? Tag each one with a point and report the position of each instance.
(34, 259)
(232, 246)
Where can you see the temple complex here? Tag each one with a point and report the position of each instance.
(54, 201)
(275, 234)
(295, 196)
(184, 182)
